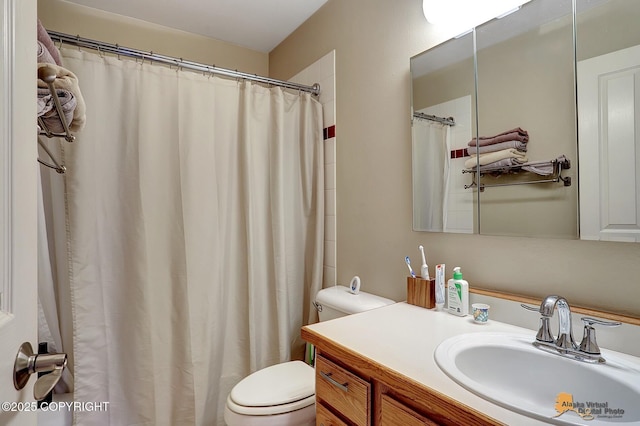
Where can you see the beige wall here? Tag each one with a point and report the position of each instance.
(91, 23)
(374, 40)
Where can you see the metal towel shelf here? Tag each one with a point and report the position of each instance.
(556, 176)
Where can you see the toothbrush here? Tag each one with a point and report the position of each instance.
(424, 269)
(408, 261)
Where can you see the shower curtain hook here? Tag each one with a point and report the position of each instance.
(118, 51)
(78, 42)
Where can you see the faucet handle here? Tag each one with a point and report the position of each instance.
(544, 332)
(530, 308)
(589, 344)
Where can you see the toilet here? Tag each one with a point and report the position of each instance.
(284, 394)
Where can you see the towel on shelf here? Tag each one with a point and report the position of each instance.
(516, 134)
(44, 56)
(520, 146)
(45, 39)
(543, 168)
(67, 80)
(492, 157)
(47, 109)
(502, 166)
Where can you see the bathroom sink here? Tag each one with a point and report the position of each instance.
(509, 371)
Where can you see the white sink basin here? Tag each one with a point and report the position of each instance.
(508, 370)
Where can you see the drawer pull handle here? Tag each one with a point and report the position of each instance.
(328, 378)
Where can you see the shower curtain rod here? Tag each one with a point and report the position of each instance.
(449, 121)
(179, 62)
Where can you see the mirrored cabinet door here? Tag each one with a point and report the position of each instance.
(608, 74)
(443, 122)
(526, 120)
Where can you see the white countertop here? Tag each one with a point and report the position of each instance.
(387, 336)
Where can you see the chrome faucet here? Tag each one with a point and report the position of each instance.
(564, 344)
(565, 332)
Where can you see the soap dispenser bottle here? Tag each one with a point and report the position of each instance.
(458, 293)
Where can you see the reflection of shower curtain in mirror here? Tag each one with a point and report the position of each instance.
(431, 161)
(195, 211)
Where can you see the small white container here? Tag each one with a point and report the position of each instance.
(458, 293)
(480, 313)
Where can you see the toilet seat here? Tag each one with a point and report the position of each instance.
(278, 389)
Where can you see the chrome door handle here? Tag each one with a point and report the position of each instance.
(342, 386)
(27, 363)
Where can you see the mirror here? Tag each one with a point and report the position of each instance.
(524, 80)
(608, 64)
(443, 85)
(525, 66)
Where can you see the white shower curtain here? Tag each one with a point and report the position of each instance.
(431, 162)
(196, 220)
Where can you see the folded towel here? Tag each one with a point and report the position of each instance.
(520, 146)
(542, 168)
(43, 37)
(492, 157)
(505, 163)
(67, 80)
(44, 56)
(516, 134)
(48, 112)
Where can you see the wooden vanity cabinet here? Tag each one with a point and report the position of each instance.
(345, 392)
(356, 391)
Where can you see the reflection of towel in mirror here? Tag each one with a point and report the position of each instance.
(67, 80)
(516, 134)
(43, 37)
(47, 109)
(492, 157)
(542, 168)
(501, 166)
(44, 55)
(520, 146)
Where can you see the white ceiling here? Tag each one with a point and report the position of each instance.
(257, 24)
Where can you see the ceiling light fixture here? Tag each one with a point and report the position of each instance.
(466, 14)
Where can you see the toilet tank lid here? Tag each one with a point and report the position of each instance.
(340, 298)
(279, 384)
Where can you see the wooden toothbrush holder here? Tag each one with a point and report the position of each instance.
(421, 292)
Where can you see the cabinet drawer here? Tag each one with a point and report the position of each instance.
(345, 392)
(394, 413)
(324, 417)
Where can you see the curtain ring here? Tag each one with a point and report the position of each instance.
(78, 42)
(118, 51)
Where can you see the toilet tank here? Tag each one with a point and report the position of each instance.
(338, 301)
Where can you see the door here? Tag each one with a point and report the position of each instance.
(609, 108)
(18, 220)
